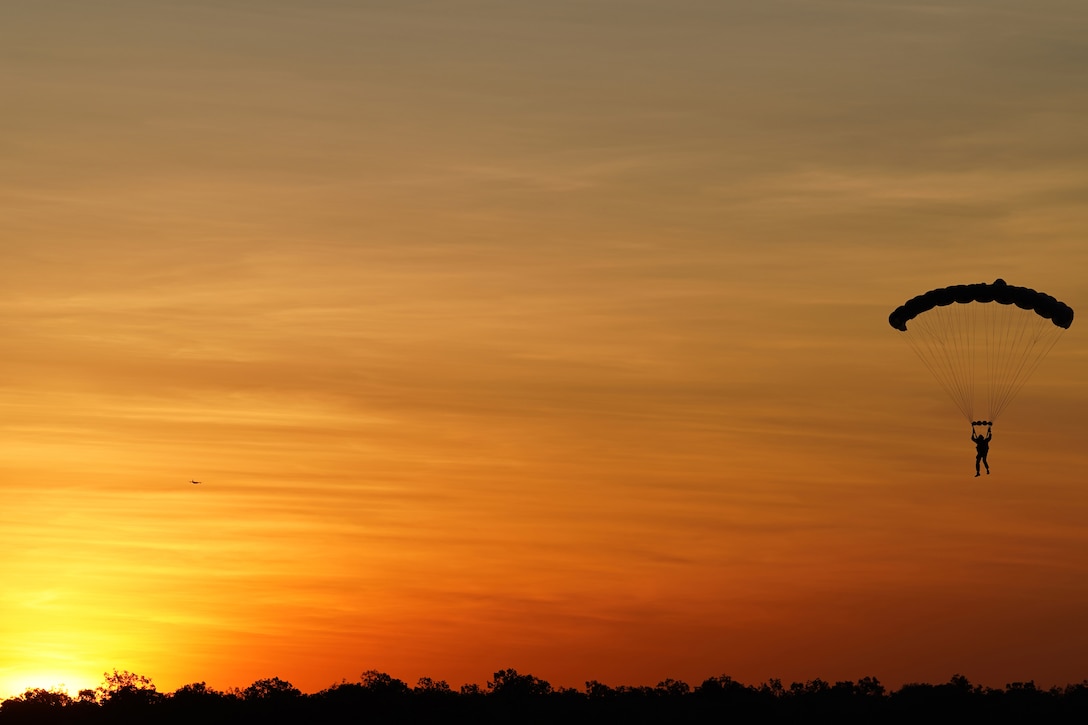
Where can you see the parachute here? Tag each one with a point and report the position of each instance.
(982, 338)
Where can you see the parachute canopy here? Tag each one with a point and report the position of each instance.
(982, 338)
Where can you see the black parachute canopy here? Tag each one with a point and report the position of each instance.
(1041, 304)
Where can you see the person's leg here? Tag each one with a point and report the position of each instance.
(977, 459)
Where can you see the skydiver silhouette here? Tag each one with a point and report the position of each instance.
(982, 447)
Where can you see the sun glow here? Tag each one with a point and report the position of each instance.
(16, 681)
(67, 659)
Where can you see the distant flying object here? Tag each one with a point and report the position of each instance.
(194, 482)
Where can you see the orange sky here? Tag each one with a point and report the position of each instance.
(538, 335)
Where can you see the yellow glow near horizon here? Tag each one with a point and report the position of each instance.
(40, 673)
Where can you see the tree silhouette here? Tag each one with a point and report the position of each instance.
(426, 684)
(508, 683)
(127, 689)
(379, 683)
(126, 697)
(271, 689)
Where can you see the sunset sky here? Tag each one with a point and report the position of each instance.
(537, 334)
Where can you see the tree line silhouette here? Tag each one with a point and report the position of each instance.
(126, 697)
